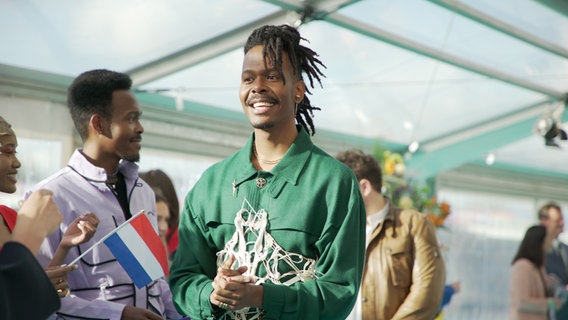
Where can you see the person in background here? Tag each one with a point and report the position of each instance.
(275, 231)
(162, 184)
(80, 230)
(26, 292)
(102, 177)
(556, 262)
(531, 294)
(163, 216)
(449, 291)
(404, 272)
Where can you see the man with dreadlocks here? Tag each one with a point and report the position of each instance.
(276, 231)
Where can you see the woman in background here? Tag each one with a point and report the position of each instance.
(531, 294)
(163, 211)
(163, 186)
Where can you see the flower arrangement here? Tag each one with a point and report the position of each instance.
(408, 194)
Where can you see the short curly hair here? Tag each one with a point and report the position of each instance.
(91, 93)
(364, 166)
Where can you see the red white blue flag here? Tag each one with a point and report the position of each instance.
(139, 250)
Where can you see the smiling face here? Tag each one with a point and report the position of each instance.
(268, 101)
(9, 163)
(125, 128)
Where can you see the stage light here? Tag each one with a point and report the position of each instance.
(413, 147)
(548, 125)
(490, 158)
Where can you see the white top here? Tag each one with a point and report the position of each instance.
(373, 222)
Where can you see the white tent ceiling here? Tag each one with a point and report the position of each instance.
(464, 78)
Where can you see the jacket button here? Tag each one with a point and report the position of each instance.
(364, 299)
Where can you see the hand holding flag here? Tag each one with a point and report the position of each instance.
(138, 248)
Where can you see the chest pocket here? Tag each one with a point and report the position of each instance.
(294, 234)
(218, 233)
(399, 254)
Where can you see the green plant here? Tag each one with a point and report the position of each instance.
(405, 193)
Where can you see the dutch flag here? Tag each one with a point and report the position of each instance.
(139, 250)
(137, 247)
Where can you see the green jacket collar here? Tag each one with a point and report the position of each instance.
(289, 168)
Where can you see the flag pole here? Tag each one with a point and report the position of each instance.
(106, 237)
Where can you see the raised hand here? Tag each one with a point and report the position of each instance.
(80, 230)
(37, 218)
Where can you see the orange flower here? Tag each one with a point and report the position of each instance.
(407, 194)
(445, 208)
(436, 220)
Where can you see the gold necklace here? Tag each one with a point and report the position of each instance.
(270, 162)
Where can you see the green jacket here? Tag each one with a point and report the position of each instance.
(314, 209)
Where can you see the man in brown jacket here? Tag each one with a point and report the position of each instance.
(404, 273)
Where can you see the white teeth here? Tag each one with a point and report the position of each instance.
(262, 104)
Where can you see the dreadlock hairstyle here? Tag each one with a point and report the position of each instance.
(284, 38)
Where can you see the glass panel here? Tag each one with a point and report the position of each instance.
(69, 37)
(183, 169)
(528, 16)
(462, 37)
(372, 89)
(482, 236)
(214, 82)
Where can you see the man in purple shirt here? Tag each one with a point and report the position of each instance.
(102, 177)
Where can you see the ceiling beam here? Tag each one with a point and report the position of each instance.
(314, 9)
(421, 49)
(468, 145)
(451, 150)
(204, 51)
(501, 26)
(212, 131)
(228, 41)
(560, 6)
(22, 82)
(487, 126)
